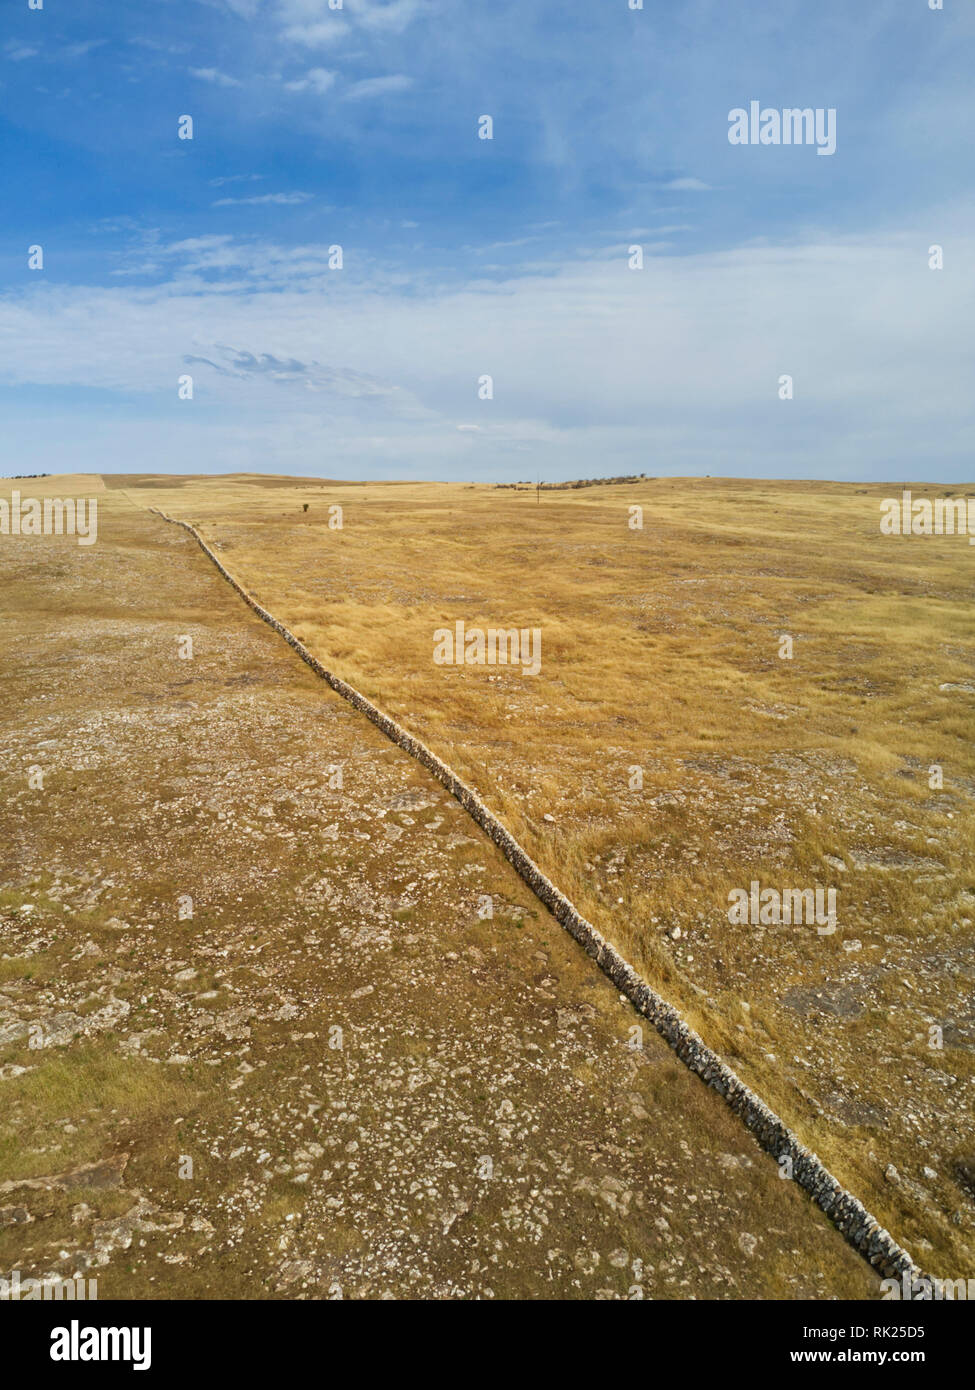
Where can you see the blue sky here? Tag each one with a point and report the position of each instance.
(358, 126)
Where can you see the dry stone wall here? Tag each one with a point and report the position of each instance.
(846, 1212)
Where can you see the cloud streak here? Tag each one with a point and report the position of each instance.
(214, 76)
(378, 87)
(264, 199)
(315, 80)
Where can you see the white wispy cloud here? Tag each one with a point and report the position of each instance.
(18, 52)
(314, 24)
(315, 80)
(214, 75)
(235, 178)
(282, 199)
(389, 16)
(378, 87)
(311, 23)
(317, 35)
(79, 50)
(156, 45)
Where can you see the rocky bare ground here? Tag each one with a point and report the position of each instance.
(332, 1072)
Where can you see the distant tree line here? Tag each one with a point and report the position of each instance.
(578, 482)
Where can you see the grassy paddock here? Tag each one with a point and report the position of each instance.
(661, 651)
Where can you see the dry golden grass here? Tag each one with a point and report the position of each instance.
(660, 649)
(210, 776)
